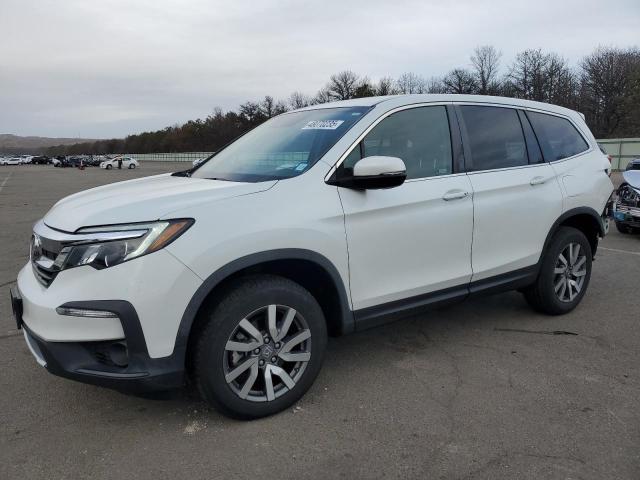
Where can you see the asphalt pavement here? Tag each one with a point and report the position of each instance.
(486, 389)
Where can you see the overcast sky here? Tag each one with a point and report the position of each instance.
(108, 68)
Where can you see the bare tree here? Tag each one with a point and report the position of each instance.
(251, 114)
(299, 100)
(410, 83)
(561, 84)
(343, 85)
(267, 106)
(486, 64)
(460, 80)
(610, 81)
(364, 88)
(385, 86)
(435, 85)
(323, 96)
(527, 76)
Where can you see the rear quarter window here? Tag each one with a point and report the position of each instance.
(557, 136)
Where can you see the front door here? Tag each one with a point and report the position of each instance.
(415, 239)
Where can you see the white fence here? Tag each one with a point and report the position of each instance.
(622, 149)
(168, 157)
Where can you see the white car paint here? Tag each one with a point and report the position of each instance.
(386, 245)
(127, 162)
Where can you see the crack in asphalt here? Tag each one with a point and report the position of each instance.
(539, 332)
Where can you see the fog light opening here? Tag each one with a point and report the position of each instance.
(119, 354)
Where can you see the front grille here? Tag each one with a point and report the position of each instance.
(44, 252)
(44, 275)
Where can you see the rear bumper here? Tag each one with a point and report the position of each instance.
(123, 364)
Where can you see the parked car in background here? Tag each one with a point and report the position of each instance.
(626, 208)
(40, 160)
(633, 164)
(127, 162)
(59, 161)
(199, 161)
(11, 161)
(329, 219)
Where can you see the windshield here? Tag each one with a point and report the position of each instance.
(282, 147)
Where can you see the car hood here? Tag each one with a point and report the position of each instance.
(142, 200)
(632, 177)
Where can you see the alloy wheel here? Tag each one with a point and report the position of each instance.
(570, 272)
(267, 353)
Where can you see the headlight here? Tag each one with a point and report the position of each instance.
(102, 247)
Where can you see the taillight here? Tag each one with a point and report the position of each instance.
(610, 157)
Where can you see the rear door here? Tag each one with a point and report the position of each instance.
(516, 195)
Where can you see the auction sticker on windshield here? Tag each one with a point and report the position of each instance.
(323, 124)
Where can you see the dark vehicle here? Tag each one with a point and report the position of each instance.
(75, 161)
(40, 160)
(634, 164)
(626, 210)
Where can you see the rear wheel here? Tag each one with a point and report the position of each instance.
(564, 274)
(261, 348)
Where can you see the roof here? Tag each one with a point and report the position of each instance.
(393, 101)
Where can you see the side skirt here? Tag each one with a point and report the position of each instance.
(388, 312)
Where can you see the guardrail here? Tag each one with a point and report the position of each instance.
(623, 150)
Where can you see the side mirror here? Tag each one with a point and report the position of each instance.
(378, 172)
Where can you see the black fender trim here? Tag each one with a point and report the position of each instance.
(254, 259)
(572, 213)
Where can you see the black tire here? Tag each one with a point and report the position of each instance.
(109, 167)
(542, 295)
(131, 166)
(248, 295)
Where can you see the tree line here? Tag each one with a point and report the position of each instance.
(604, 86)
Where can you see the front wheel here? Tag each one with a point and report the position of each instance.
(564, 274)
(109, 167)
(132, 166)
(261, 348)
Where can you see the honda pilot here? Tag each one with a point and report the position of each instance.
(322, 221)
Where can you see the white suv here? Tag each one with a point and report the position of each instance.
(325, 220)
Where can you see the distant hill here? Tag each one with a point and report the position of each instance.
(15, 144)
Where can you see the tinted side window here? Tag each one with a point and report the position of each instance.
(419, 136)
(495, 137)
(557, 136)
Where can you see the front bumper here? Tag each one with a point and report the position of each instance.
(132, 350)
(626, 215)
(123, 364)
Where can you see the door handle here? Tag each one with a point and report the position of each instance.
(537, 180)
(454, 195)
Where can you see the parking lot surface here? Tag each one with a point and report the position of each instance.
(485, 389)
